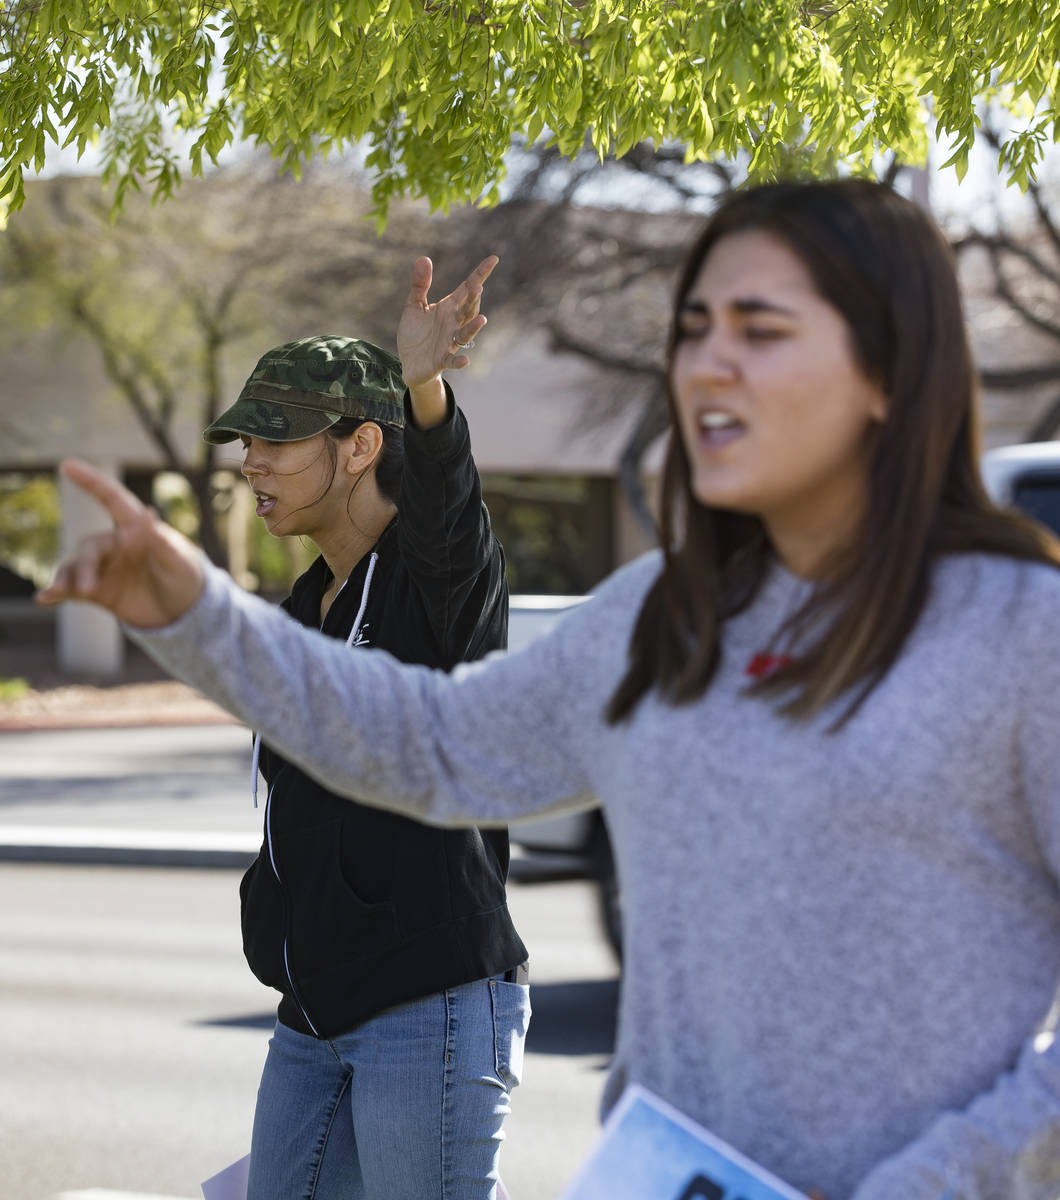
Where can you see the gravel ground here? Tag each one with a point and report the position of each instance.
(141, 696)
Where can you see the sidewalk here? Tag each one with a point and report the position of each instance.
(138, 774)
(103, 790)
(142, 771)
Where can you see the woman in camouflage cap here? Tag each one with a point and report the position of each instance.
(403, 1009)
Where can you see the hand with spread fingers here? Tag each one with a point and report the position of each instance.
(142, 570)
(435, 336)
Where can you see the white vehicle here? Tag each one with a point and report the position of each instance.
(1026, 477)
(569, 846)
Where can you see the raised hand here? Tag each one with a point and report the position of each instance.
(142, 570)
(433, 337)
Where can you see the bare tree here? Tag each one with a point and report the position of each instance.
(1023, 266)
(168, 293)
(589, 252)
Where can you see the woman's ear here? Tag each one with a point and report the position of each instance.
(882, 407)
(877, 402)
(362, 448)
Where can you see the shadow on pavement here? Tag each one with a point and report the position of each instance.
(250, 1021)
(167, 781)
(569, 1018)
(573, 1018)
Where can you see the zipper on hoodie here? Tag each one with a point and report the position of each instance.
(276, 871)
(352, 640)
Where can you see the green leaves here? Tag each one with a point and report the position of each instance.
(440, 87)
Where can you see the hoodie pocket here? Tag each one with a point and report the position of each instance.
(329, 922)
(262, 920)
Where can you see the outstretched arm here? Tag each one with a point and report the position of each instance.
(432, 337)
(478, 747)
(445, 536)
(142, 570)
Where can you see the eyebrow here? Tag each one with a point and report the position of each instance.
(745, 306)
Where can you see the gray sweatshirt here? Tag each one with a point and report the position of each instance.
(840, 947)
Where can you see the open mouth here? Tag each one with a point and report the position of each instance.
(719, 428)
(265, 503)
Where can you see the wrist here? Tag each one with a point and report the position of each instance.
(428, 403)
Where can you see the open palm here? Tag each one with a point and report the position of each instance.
(429, 334)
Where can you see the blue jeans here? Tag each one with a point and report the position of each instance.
(407, 1106)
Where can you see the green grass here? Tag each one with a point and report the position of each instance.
(12, 689)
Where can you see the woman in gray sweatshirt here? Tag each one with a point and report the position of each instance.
(822, 720)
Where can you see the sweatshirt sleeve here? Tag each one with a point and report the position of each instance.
(1006, 1142)
(489, 743)
(447, 544)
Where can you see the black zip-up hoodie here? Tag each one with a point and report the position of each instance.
(348, 910)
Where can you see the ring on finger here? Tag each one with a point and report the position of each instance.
(464, 345)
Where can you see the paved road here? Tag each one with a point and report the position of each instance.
(132, 1033)
(171, 786)
(162, 795)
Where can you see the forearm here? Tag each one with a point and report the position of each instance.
(440, 490)
(446, 539)
(1006, 1143)
(429, 404)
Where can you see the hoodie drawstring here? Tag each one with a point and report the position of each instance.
(350, 641)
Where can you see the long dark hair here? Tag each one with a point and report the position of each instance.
(882, 263)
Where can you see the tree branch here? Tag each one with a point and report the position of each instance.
(126, 379)
(1047, 424)
(1005, 291)
(1015, 379)
(563, 342)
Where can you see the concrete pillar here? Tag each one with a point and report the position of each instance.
(89, 640)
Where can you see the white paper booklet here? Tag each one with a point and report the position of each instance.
(648, 1150)
(229, 1184)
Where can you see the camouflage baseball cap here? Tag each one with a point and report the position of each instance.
(301, 388)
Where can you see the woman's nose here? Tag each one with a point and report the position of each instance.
(710, 360)
(251, 465)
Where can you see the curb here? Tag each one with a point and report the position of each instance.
(43, 723)
(128, 847)
(89, 846)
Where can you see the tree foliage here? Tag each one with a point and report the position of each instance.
(440, 88)
(29, 525)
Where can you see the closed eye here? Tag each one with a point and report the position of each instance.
(757, 334)
(693, 320)
(691, 328)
